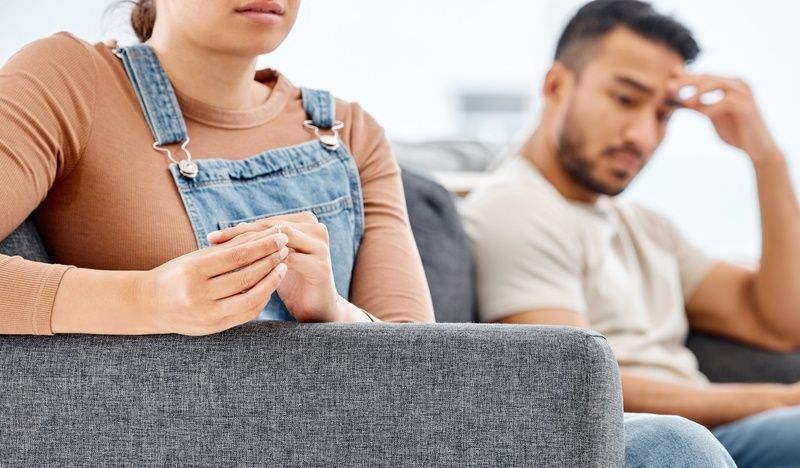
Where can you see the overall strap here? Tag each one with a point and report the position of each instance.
(320, 107)
(155, 93)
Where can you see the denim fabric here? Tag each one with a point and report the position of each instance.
(766, 440)
(304, 177)
(654, 441)
(320, 107)
(155, 93)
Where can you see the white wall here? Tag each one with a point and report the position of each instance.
(407, 61)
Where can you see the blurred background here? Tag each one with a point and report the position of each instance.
(468, 73)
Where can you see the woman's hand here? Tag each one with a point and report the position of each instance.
(308, 290)
(213, 289)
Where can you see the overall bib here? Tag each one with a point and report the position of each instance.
(319, 176)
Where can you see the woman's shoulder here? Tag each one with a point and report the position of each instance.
(62, 63)
(361, 131)
(61, 48)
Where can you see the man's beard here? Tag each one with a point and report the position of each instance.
(578, 166)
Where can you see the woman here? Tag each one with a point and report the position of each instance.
(135, 157)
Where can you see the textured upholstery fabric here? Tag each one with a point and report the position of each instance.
(727, 361)
(444, 248)
(283, 394)
(25, 242)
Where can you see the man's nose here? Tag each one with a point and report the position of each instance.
(643, 133)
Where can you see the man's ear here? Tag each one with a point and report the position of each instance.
(557, 84)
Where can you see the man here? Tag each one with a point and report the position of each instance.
(554, 246)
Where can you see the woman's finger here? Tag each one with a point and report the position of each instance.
(227, 234)
(306, 238)
(240, 308)
(227, 285)
(224, 235)
(225, 258)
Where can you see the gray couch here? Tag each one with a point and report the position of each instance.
(285, 394)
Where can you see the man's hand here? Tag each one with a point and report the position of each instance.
(736, 117)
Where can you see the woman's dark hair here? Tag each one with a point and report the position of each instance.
(143, 17)
(598, 18)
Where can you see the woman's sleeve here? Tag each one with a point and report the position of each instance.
(47, 98)
(388, 279)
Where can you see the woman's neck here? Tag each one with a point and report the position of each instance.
(221, 80)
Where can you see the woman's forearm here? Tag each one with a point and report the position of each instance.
(101, 302)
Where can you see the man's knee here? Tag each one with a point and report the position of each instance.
(652, 440)
(766, 439)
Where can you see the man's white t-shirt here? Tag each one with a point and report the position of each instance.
(625, 268)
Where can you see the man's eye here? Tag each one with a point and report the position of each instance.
(664, 116)
(625, 100)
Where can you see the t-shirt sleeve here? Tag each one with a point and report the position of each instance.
(693, 263)
(388, 278)
(47, 95)
(525, 258)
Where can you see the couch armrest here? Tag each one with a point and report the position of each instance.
(724, 360)
(281, 394)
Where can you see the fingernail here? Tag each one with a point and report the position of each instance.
(281, 269)
(282, 239)
(687, 92)
(283, 253)
(212, 234)
(243, 223)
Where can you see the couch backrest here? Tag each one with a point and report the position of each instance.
(443, 246)
(437, 229)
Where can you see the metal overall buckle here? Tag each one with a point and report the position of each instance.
(328, 141)
(187, 167)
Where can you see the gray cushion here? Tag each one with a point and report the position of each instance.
(443, 247)
(446, 155)
(723, 360)
(25, 242)
(287, 394)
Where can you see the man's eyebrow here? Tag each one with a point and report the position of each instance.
(634, 84)
(671, 102)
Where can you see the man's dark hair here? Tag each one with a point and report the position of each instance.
(598, 18)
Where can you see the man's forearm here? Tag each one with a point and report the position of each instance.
(710, 406)
(775, 289)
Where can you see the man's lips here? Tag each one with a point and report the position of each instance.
(626, 161)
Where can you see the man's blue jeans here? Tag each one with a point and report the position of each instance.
(671, 441)
(765, 440)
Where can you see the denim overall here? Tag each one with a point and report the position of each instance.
(319, 176)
